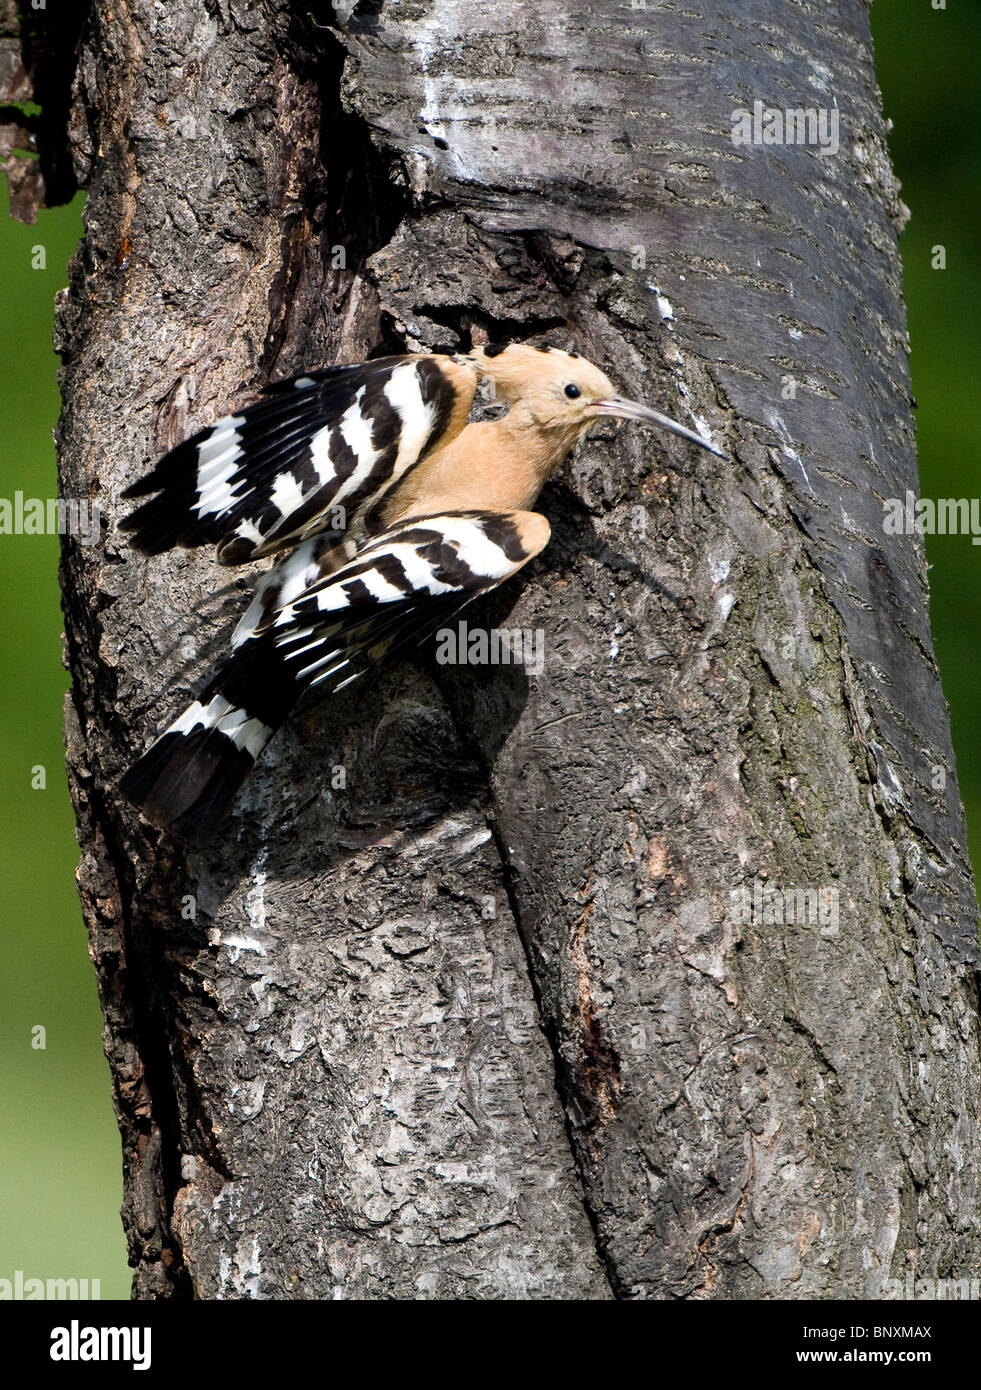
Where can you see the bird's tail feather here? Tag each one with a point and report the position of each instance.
(188, 778)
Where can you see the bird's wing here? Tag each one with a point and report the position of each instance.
(396, 590)
(307, 457)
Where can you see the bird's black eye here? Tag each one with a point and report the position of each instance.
(572, 391)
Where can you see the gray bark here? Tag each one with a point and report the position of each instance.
(482, 1023)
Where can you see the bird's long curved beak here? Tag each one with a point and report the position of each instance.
(633, 410)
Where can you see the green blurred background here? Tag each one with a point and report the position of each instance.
(60, 1185)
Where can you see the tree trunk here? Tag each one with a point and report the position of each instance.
(489, 1020)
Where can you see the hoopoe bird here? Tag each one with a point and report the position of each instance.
(395, 512)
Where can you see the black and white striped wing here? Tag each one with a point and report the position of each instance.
(396, 590)
(310, 455)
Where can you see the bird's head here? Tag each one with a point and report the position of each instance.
(562, 392)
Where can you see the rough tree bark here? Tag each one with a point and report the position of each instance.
(483, 1023)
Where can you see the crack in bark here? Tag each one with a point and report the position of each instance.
(563, 1083)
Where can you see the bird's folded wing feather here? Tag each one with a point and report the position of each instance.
(396, 590)
(280, 469)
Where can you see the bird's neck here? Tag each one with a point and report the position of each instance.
(494, 465)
